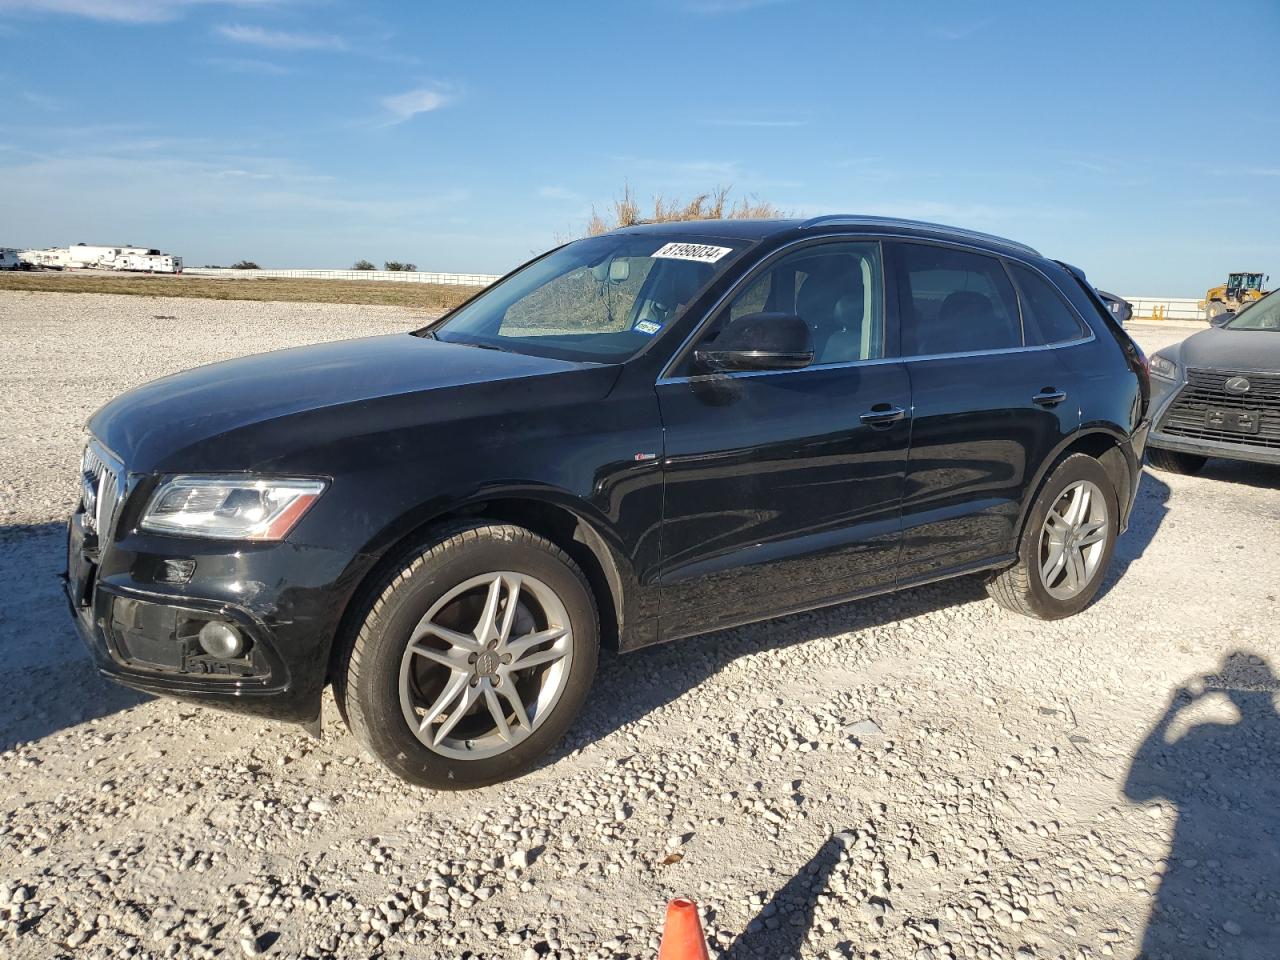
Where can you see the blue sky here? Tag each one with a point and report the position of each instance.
(1139, 140)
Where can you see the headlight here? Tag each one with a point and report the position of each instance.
(1163, 367)
(230, 508)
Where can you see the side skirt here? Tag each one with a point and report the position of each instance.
(991, 563)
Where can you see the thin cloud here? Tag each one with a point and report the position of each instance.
(562, 194)
(247, 65)
(121, 11)
(280, 39)
(732, 122)
(41, 100)
(713, 7)
(405, 106)
(962, 31)
(1241, 171)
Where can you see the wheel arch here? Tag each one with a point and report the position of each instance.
(1106, 445)
(547, 513)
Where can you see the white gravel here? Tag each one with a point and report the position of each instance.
(921, 776)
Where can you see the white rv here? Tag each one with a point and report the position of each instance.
(153, 261)
(10, 259)
(54, 258)
(98, 257)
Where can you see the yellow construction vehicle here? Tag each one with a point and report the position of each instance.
(1240, 290)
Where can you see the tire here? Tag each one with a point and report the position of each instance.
(1022, 588)
(1214, 309)
(1173, 461)
(463, 575)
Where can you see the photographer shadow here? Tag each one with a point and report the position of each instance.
(1217, 897)
(781, 927)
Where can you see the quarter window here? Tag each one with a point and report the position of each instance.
(836, 288)
(1046, 318)
(953, 301)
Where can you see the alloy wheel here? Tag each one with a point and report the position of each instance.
(486, 665)
(1073, 540)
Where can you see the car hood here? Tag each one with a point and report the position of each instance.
(1232, 350)
(182, 422)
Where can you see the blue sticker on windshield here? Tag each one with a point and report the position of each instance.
(647, 326)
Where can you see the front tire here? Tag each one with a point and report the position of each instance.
(1174, 461)
(1066, 543)
(473, 659)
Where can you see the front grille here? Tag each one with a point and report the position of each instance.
(1206, 388)
(99, 489)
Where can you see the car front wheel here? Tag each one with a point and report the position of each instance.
(1174, 461)
(1066, 544)
(473, 659)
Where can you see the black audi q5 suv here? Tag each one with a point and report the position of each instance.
(636, 437)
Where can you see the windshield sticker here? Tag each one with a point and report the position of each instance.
(647, 326)
(701, 252)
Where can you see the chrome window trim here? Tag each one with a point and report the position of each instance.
(665, 378)
(915, 358)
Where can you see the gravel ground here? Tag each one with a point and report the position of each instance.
(920, 776)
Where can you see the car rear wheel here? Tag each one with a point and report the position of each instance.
(473, 659)
(1173, 461)
(1066, 543)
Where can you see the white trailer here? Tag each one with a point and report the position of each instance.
(151, 262)
(98, 257)
(54, 258)
(103, 257)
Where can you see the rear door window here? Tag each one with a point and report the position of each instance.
(1046, 318)
(954, 301)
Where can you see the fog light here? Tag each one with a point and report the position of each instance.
(220, 639)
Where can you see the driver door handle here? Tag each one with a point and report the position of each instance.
(1049, 397)
(883, 415)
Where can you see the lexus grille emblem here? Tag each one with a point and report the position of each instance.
(1237, 385)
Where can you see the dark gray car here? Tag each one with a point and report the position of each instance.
(1217, 393)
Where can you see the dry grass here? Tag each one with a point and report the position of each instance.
(426, 296)
(713, 205)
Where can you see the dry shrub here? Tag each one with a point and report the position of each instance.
(713, 205)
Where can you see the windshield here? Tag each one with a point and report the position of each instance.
(601, 299)
(1263, 315)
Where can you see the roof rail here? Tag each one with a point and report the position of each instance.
(856, 218)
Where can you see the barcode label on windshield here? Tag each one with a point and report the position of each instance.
(701, 252)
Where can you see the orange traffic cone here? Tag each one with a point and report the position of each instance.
(682, 937)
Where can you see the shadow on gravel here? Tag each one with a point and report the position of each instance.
(1149, 510)
(1218, 894)
(628, 687)
(51, 683)
(1261, 475)
(780, 928)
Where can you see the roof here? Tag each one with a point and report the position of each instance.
(755, 230)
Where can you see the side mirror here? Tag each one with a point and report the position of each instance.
(759, 341)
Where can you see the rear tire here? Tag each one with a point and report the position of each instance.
(442, 700)
(1061, 562)
(1174, 461)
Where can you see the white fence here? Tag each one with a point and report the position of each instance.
(1165, 308)
(387, 276)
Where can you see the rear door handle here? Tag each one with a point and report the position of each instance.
(1049, 397)
(883, 415)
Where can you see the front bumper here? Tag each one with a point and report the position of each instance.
(141, 632)
(1163, 394)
